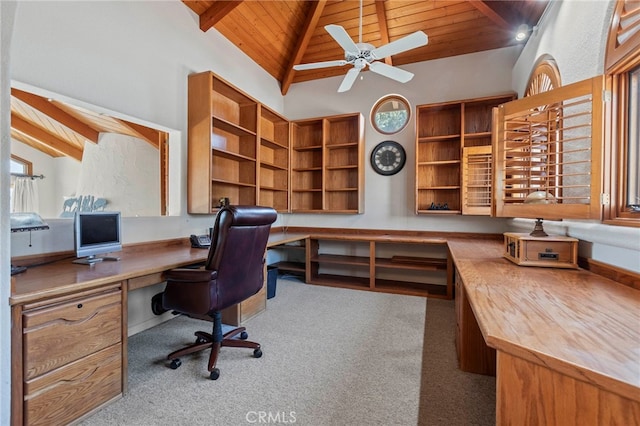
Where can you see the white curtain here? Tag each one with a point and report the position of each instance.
(25, 195)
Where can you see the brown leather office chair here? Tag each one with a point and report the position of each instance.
(234, 271)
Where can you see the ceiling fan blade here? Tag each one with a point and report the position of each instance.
(340, 35)
(349, 79)
(395, 73)
(315, 65)
(403, 44)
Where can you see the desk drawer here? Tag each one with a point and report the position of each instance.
(61, 333)
(69, 392)
(145, 281)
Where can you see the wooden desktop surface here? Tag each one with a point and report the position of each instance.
(570, 321)
(136, 260)
(63, 276)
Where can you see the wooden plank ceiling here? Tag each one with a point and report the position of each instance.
(280, 34)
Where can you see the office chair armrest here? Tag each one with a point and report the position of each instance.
(190, 275)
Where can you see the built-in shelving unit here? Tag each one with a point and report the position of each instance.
(412, 268)
(306, 166)
(443, 131)
(389, 266)
(238, 148)
(326, 164)
(223, 144)
(274, 160)
(241, 150)
(438, 158)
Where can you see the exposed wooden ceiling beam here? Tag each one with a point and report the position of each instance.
(52, 111)
(315, 11)
(60, 145)
(488, 11)
(384, 29)
(37, 145)
(147, 134)
(216, 12)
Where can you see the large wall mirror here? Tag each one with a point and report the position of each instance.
(82, 157)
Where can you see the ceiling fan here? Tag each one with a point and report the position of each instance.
(361, 55)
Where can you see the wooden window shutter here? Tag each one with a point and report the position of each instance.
(548, 153)
(624, 35)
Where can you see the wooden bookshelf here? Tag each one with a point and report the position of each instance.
(443, 131)
(222, 147)
(327, 173)
(274, 160)
(237, 148)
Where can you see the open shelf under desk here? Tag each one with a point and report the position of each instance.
(330, 280)
(384, 286)
(341, 259)
(414, 263)
(411, 288)
(294, 267)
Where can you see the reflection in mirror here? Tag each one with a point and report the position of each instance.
(85, 159)
(390, 114)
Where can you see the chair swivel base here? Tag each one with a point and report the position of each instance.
(205, 340)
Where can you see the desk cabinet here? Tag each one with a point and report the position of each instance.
(236, 315)
(72, 351)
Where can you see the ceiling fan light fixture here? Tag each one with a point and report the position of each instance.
(362, 55)
(522, 32)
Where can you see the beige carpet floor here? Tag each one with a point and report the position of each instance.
(331, 357)
(449, 396)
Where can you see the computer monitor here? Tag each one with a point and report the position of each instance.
(96, 233)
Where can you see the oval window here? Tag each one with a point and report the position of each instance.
(390, 114)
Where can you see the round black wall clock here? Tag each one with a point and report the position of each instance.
(388, 158)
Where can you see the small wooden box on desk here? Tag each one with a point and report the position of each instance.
(553, 251)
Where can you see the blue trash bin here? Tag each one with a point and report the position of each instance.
(272, 279)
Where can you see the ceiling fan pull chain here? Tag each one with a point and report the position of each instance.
(360, 25)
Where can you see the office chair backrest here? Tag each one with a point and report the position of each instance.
(237, 251)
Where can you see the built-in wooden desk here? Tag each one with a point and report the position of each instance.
(69, 327)
(567, 341)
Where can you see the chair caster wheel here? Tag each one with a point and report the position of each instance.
(244, 335)
(257, 353)
(215, 373)
(200, 340)
(175, 364)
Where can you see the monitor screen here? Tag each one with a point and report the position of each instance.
(96, 233)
